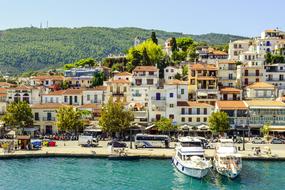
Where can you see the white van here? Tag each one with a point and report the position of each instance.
(87, 141)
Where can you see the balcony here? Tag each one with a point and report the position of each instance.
(137, 95)
(48, 118)
(227, 78)
(117, 94)
(158, 99)
(253, 75)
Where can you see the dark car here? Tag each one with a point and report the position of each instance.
(277, 141)
(117, 144)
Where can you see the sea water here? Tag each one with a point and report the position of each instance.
(144, 174)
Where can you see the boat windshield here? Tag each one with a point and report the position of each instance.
(191, 144)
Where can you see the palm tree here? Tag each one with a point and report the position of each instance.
(265, 131)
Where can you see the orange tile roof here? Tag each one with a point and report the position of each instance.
(123, 74)
(261, 85)
(176, 82)
(93, 106)
(229, 90)
(204, 66)
(231, 105)
(3, 90)
(192, 104)
(54, 93)
(218, 52)
(47, 106)
(23, 87)
(227, 62)
(6, 84)
(48, 77)
(73, 91)
(2, 95)
(145, 68)
(265, 103)
(97, 88)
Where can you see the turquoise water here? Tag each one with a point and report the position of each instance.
(146, 174)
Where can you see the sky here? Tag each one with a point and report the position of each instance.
(239, 17)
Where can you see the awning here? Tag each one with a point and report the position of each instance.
(31, 129)
(202, 94)
(203, 127)
(149, 127)
(277, 128)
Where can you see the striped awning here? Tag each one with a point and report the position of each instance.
(277, 128)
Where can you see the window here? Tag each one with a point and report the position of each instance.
(172, 70)
(75, 99)
(205, 111)
(205, 119)
(281, 77)
(246, 73)
(231, 76)
(171, 116)
(182, 91)
(46, 99)
(88, 97)
(95, 98)
(65, 98)
(189, 111)
(171, 95)
(257, 80)
(171, 105)
(257, 72)
(190, 119)
(151, 73)
(149, 81)
(246, 81)
(182, 111)
(51, 99)
(37, 116)
(198, 119)
(198, 111)
(166, 70)
(56, 99)
(125, 89)
(182, 119)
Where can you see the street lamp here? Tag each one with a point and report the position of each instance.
(243, 144)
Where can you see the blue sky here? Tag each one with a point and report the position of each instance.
(241, 17)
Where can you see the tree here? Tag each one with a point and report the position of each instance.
(64, 85)
(178, 56)
(90, 62)
(178, 76)
(219, 122)
(145, 58)
(69, 66)
(146, 53)
(114, 118)
(165, 125)
(18, 115)
(98, 79)
(265, 131)
(69, 119)
(153, 38)
(185, 71)
(173, 44)
(134, 57)
(184, 43)
(192, 53)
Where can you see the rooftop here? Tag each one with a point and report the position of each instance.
(123, 74)
(230, 90)
(203, 66)
(265, 103)
(176, 82)
(231, 105)
(261, 85)
(192, 104)
(145, 69)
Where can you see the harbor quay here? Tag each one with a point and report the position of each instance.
(72, 149)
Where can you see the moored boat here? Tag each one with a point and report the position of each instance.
(227, 161)
(189, 158)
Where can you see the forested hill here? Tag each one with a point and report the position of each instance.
(26, 49)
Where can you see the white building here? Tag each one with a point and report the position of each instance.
(227, 74)
(170, 72)
(260, 90)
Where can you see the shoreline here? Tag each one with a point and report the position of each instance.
(106, 156)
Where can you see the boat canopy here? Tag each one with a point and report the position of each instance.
(191, 150)
(227, 150)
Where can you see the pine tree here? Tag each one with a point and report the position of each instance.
(153, 38)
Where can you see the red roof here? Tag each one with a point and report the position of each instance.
(145, 69)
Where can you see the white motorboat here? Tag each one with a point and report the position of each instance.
(189, 158)
(227, 161)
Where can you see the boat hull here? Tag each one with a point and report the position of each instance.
(226, 172)
(193, 172)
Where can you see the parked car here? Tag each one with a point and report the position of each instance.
(117, 144)
(257, 140)
(277, 141)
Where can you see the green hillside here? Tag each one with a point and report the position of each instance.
(27, 49)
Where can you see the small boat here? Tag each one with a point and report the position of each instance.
(189, 158)
(227, 161)
(123, 157)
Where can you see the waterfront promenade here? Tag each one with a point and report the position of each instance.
(71, 148)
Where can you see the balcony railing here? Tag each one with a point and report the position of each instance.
(137, 95)
(118, 94)
(48, 118)
(158, 99)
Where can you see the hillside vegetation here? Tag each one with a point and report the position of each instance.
(27, 49)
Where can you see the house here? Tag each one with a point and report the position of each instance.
(248, 74)
(7, 85)
(170, 72)
(94, 95)
(203, 83)
(238, 47)
(229, 93)
(260, 90)
(20, 93)
(275, 75)
(45, 117)
(3, 100)
(236, 110)
(210, 55)
(227, 74)
(266, 111)
(81, 77)
(145, 76)
(118, 90)
(46, 81)
(94, 109)
(193, 113)
(123, 75)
